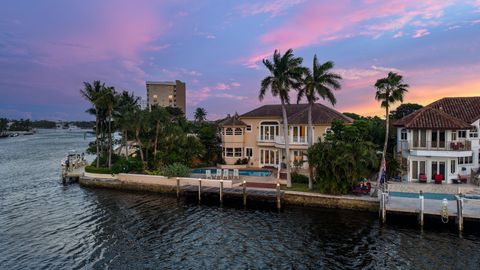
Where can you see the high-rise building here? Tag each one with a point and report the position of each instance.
(166, 94)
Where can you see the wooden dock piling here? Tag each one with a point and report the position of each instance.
(178, 187)
(199, 190)
(459, 212)
(279, 203)
(244, 193)
(421, 209)
(221, 191)
(383, 208)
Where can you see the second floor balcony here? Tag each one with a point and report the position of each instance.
(464, 145)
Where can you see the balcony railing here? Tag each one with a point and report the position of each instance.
(293, 140)
(266, 138)
(438, 145)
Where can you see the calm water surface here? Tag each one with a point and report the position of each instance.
(45, 225)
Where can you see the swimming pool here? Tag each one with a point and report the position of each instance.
(429, 196)
(246, 172)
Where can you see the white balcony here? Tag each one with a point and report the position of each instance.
(438, 148)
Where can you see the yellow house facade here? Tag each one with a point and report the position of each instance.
(256, 137)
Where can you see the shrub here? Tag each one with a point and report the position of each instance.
(123, 165)
(241, 161)
(299, 178)
(176, 170)
(93, 169)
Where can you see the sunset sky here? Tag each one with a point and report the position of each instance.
(48, 48)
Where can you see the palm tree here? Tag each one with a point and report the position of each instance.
(389, 90)
(126, 104)
(106, 100)
(200, 115)
(318, 82)
(91, 92)
(158, 115)
(285, 74)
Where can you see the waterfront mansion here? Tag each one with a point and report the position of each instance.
(256, 137)
(440, 141)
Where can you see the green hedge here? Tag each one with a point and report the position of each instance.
(299, 178)
(176, 170)
(93, 169)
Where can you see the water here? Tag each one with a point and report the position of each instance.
(426, 195)
(242, 172)
(45, 225)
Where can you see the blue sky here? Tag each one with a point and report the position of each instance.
(48, 48)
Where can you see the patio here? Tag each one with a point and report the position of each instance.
(415, 187)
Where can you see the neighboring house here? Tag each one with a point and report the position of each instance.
(257, 136)
(440, 139)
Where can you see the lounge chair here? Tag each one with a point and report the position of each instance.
(422, 178)
(226, 175)
(236, 174)
(218, 175)
(208, 174)
(438, 178)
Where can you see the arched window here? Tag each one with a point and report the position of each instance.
(474, 132)
(403, 134)
(238, 131)
(229, 131)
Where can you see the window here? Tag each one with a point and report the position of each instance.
(453, 166)
(238, 131)
(229, 131)
(249, 128)
(462, 134)
(403, 134)
(465, 160)
(155, 98)
(248, 152)
(237, 152)
(229, 152)
(268, 131)
(454, 136)
(474, 132)
(414, 169)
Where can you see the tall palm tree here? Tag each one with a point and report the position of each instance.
(159, 115)
(200, 115)
(318, 82)
(106, 100)
(390, 90)
(91, 93)
(285, 74)
(126, 104)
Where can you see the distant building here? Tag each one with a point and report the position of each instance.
(166, 94)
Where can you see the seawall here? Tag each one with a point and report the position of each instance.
(160, 184)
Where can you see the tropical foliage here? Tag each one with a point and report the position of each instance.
(320, 82)
(390, 90)
(404, 110)
(150, 139)
(285, 73)
(343, 158)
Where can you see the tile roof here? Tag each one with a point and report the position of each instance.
(298, 113)
(232, 121)
(446, 113)
(463, 108)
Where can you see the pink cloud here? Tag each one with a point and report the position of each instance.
(420, 33)
(318, 23)
(274, 7)
(197, 96)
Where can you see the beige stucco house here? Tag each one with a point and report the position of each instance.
(258, 134)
